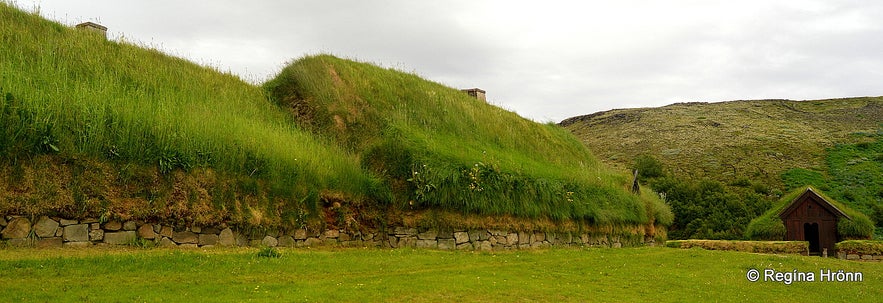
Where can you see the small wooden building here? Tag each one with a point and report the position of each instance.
(812, 218)
(476, 93)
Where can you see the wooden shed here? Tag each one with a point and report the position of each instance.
(812, 218)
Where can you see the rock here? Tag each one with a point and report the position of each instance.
(403, 231)
(66, 222)
(208, 239)
(146, 232)
(89, 220)
(45, 227)
(196, 229)
(166, 242)
(94, 226)
(130, 225)
(392, 241)
(54, 242)
(96, 235)
(407, 242)
(484, 245)
(512, 239)
(286, 241)
(226, 238)
(269, 241)
(617, 245)
(461, 237)
(539, 237)
(185, 237)
(17, 228)
(344, 236)
(310, 242)
(119, 238)
(524, 238)
(167, 231)
(76, 233)
(465, 246)
(852, 257)
(77, 244)
(300, 234)
(446, 244)
(445, 233)
(431, 234)
(59, 232)
(241, 239)
(331, 233)
(157, 228)
(211, 230)
(867, 257)
(113, 226)
(20, 242)
(427, 244)
(188, 246)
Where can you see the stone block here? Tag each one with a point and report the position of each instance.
(96, 235)
(185, 237)
(119, 238)
(130, 226)
(94, 226)
(430, 234)
(852, 257)
(345, 236)
(66, 222)
(408, 242)
(208, 239)
(166, 231)
(76, 233)
(269, 241)
(77, 244)
(465, 246)
(427, 244)
(331, 233)
(300, 234)
(616, 245)
(89, 220)
(474, 235)
(20, 242)
(403, 231)
(59, 232)
(512, 239)
(113, 226)
(166, 242)
(867, 257)
(146, 232)
(17, 228)
(461, 237)
(286, 241)
(483, 245)
(392, 241)
(45, 227)
(226, 238)
(445, 233)
(188, 246)
(54, 242)
(311, 242)
(196, 229)
(446, 244)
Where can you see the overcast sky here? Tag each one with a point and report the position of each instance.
(545, 60)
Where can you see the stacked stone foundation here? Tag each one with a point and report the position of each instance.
(47, 232)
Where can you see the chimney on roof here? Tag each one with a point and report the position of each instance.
(90, 26)
(476, 93)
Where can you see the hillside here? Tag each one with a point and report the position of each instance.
(723, 164)
(439, 148)
(111, 130)
(726, 141)
(103, 128)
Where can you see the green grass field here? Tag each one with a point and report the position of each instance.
(372, 275)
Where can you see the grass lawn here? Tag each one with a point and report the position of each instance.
(372, 275)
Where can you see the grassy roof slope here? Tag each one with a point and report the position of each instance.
(75, 94)
(726, 141)
(440, 148)
(770, 227)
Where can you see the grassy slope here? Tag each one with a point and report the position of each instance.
(355, 275)
(725, 141)
(442, 149)
(74, 95)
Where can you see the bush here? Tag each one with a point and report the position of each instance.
(862, 247)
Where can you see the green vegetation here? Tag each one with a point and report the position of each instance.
(438, 148)
(766, 247)
(108, 129)
(770, 227)
(723, 164)
(74, 95)
(356, 275)
(870, 247)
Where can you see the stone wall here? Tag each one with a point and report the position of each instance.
(59, 232)
(857, 256)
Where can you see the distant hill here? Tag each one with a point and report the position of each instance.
(726, 141)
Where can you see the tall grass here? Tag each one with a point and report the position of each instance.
(74, 93)
(442, 149)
